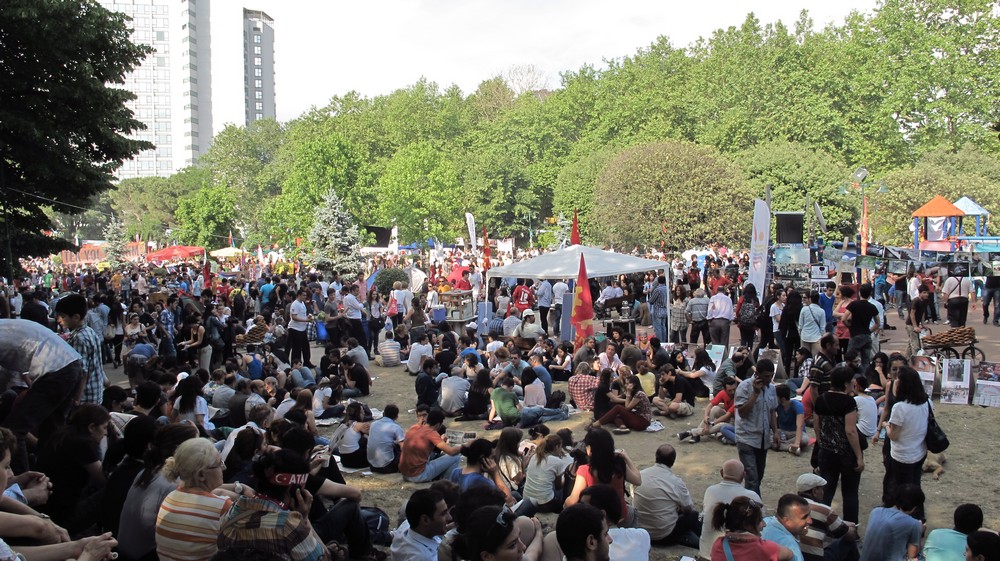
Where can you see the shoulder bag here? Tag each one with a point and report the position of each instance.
(936, 439)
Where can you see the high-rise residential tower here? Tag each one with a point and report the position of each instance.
(173, 85)
(258, 65)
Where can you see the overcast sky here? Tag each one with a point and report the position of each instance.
(329, 47)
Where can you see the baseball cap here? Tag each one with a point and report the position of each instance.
(808, 482)
(528, 313)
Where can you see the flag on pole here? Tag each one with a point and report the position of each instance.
(864, 225)
(574, 236)
(260, 255)
(231, 244)
(582, 317)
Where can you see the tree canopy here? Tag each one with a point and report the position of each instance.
(63, 121)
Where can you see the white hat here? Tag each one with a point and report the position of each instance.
(808, 482)
(528, 313)
(472, 325)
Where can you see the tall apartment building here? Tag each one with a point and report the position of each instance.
(258, 65)
(173, 85)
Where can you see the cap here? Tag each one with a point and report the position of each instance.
(528, 313)
(472, 325)
(808, 482)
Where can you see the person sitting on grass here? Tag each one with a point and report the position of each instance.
(676, 395)
(719, 414)
(636, 414)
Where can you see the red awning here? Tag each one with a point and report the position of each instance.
(175, 252)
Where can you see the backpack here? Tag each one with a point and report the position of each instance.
(764, 316)
(748, 314)
(378, 525)
(556, 400)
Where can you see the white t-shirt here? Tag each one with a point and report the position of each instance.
(27, 346)
(559, 290)
(297, 309)
(867, 415)
(418, 353)
(318, 396)
(775, 314)
(628, 543)
(200, 408)
(910, 447)
(719, 493)
(453, 393)
(540, 478)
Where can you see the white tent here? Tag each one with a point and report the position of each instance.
(565, 264)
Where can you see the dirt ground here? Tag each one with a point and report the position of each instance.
(969, 475)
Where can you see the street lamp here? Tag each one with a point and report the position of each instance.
(863, 187)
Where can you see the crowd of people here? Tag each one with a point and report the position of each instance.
(215, 450)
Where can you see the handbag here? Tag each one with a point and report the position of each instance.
(727, 550)
(109, 332)
(936, 439)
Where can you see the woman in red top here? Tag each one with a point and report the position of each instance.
(743, 521)
(608, 466)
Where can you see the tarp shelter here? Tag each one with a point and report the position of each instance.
(565, 264)
(227, 252)
(972, 209)
(940, 219)
(175, 253)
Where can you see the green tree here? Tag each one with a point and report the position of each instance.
(334, 238)
(63, 124)
(682, 194)
(793, 171)
(206, 216)
(148, 205)
(575, 190)
(420, 191)
(499, 184)
(116, 238)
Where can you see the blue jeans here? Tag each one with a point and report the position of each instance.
(302, 377)
(991, 295)
(660, 325)
(436, 468)
(863, 344)
(351, 392)
(531, 416)
(754, 461)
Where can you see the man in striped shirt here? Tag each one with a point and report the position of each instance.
(71, 311)
(827, 532)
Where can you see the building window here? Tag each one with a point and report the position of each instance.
(256, 61)
(256, 38)
(258, 83)
(259, 116)
(257, 72)
(161, 35)
(256, 49)
(259, 106)
(258, 94)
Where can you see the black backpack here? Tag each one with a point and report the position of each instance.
(378, 525)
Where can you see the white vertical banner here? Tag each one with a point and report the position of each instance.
(760, 239)
(394, 240)
(470, 221)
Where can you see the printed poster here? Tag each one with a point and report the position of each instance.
(926, 368)
(987, 385)
(956, 377)
(795, 255)
(928, 380)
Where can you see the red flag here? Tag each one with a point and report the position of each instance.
(231, 244)
(582, 317)
(574, 236)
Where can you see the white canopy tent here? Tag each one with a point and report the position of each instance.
(565, 264)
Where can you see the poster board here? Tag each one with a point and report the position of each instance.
(956, 377)
(717, 353)
(987, 385)
(926, 368)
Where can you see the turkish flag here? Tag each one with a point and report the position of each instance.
(486, 251)
(582, 317)
(574, 235)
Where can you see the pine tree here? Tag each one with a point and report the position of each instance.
(114, 250)
(334, 238)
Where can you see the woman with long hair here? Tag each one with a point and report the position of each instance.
(742, 521)
(907, 429)
(798, 379)
(789, 327)
(375, 305)
(678, 313)
(353, 449)
(71, 457)
(635, 414)
(116, 318)
(746, 323)
(477, 404)
(842, 331)
(605, 465)
(510, 462)
(543, 478)
(196, 338)
(191, 405)
(137, 525)
(702, 373)
(304, 403)
(561, 367)
(606, 395)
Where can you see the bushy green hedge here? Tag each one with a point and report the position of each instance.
(385, 278)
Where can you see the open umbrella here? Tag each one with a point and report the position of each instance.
(456, 274)
(174, 253)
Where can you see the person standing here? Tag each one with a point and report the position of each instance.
(544, 293)
(840, 455)
(658, 304)
(812, 322)
(915, 320)
(859, 317)
(956, 292)
(298, 325)
(907, 429)
(720, 316)
(756, 422)
(70, 311)
(697, 314)
(353, 310)
(991, 293)
(559, 290)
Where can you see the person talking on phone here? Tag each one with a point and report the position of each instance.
(756, 422)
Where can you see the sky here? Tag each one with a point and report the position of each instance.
(329, 47)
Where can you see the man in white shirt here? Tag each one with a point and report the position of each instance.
(663, 504)
(454, 392)
(353, 309)
(956, 292)
(609, 358)
(298, 324)
(476, 279)
(428, 516)
(720, 316)
(721, 493)
(867, 408)
(419, 350)
(559, 290)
